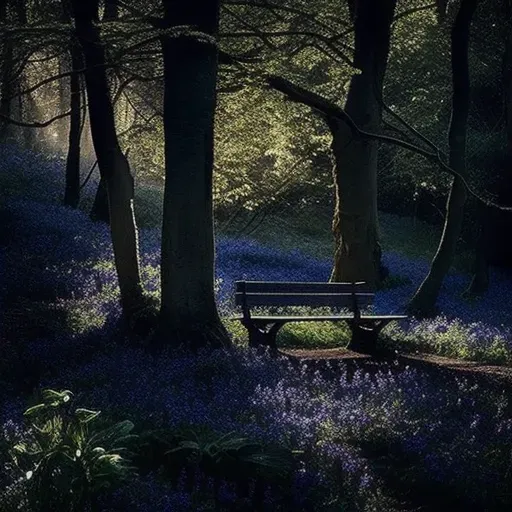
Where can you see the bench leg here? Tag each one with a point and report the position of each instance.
(263, 334)
(365, 335)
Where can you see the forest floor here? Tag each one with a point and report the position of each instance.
(423, 420)
(487, 377)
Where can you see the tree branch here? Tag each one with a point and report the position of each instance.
(287, 33)
(332, 111)
(284, 8)
(414, 10)
(41, 124)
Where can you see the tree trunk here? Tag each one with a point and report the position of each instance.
(99, 211)
(113, 165)
(355, 224)
(188, 310)
(7, 86)
(480, 280)
(72, 190)
(111, 10)
(424, 300)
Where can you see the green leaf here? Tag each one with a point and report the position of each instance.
(86, 415)
(113, 434)
(34, 410)
(59, 396)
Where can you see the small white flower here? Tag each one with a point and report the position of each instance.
(29, 474)
(78, 453)
(66, 398)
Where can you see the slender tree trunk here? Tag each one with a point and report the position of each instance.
(424, 300)
(72, 191)
(188, 310)
(72, 187)
(99, 211)
(355, 226)
(7, 84)
(113, 165)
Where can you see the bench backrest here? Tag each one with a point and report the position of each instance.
(342, 295)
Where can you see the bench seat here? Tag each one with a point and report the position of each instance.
(263, 328)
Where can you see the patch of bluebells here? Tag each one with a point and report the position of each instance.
(56, 252)
(451, 427)
(28, 174)
(489, 316)
(242, 258)
(147, 495)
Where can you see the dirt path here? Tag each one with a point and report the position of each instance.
(485, 374)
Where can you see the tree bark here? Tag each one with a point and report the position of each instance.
(424, 300)
(7, 86)
(72, 188)
(99, 211)
(480, 280)
(188, 311)
(355, 225)
(114, 167)
(111, 10)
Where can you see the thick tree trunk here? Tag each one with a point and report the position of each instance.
(113, 165)
(72, 190)
(499, 251)
(480, 280)
(111, 10)
(355, 225)
(424, 300)
(188, 311)
(99, 210)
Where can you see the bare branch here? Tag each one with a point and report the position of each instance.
(244, 23)
(414, 10)
(41, 124)
(287, 33)
(283, 8)
(154, 21)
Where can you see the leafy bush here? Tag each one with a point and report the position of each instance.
(64, 460)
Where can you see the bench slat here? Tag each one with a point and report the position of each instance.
(301, 299)
(318, 318)
(298, 287)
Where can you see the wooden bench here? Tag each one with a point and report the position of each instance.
(263, 329)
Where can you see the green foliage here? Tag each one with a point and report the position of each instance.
(65, 460)
(453, 341)
(226, 456)
(311, 335)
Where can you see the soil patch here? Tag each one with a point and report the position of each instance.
(492, 375)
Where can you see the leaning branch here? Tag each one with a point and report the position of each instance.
(332, 111)
(34, 124)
